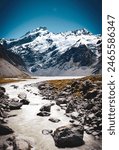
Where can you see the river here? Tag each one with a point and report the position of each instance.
(29, 125)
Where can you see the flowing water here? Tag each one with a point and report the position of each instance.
(28, 124)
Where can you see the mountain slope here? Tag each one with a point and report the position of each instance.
(69, 53)
(10, 64)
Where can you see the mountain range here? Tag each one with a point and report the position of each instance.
(76, 52)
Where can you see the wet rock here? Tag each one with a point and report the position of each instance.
(61, 101)
(3, 114)
(91, 116)
(95, 133)
(41, 87)
(91, 94)
(22, 144)
(55, 120)
(46, 107)
(4, 130)
(95, 109)
(2, 89)
(89, 106)
(63, 106)
(47, 131)
(72, 121)
(14, 86)
(43, 113)
(69, 136)
(74, 115)
(22, 95)
(70, 107)
(1, 93)
(15, 105)
(3, 120)
(75, 84)
(14, 100)
(24, 101)
(99, 113)
(86, 85)
(63, 93)
(17, 143)
(8, 144)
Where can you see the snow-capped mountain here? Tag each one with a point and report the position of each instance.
(70, 53)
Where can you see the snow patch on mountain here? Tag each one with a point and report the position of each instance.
(47, 53)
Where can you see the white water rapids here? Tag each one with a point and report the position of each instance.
(28, 124)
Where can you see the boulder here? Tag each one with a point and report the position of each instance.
(69, 136)
(70, 107)
(22, 144)
(2, 89)
(61, 101)
(24, 101)
(91, 116)
(8, 144)
(14, 100)
(86, 85)
(91, 94)
(46, 107)
(15, 105)
(89, 106)
(3, 114)
(63, 93)
(1, 93)
(4, 130)
(22, 95)
(74, 115)
(16, 143)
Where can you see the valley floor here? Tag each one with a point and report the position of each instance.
(27, 125)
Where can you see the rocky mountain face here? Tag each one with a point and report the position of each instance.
(70, 53)
(11, 65)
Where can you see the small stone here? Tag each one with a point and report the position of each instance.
(43, 113)
(55, 120)
(24, 101)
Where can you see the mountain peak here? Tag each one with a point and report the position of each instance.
(40, 30)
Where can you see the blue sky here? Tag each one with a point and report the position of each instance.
(19, 16)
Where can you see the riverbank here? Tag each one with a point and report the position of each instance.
(27, 124)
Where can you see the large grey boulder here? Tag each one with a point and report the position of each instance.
(69, 136)
(4, 130)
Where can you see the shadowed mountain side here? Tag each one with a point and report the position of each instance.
(8, 70)
(12, 58)
(11, 65)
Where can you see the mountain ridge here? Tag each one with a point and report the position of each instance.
(44, 51)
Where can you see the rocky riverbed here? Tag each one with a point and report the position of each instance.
(82, 101)
(44, 115)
